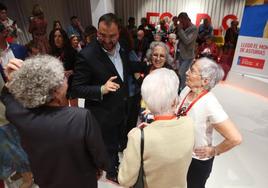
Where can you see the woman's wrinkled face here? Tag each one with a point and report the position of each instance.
(58, 39)
(158, 57)
(193, 76)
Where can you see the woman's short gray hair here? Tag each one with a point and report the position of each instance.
(211, 71)
(169, 59)
(33, 84)
(159, 90)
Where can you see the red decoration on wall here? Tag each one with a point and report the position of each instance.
(226, 18)
(200, 17)
(166, 14)
(151, 14)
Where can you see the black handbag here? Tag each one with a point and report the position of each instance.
(141, 177)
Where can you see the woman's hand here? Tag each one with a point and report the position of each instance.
(205, 152)
(13, 65)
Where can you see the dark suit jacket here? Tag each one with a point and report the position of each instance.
(64, 144)
(92, 70)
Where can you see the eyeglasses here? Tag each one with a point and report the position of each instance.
(192, 71)
(104, 37)
(161, 56)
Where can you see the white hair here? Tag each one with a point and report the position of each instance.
(211, 71)
(159, 90)
(33, 84)
(172, 36)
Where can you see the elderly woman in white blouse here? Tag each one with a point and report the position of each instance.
(199, 103)
(168, 141)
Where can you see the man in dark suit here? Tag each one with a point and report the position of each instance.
(100, 77)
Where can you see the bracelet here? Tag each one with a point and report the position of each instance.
(216, 153)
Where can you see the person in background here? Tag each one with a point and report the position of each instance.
(204, 30)
(75, 28)
(14, 163)
(198, 102)
(90, 34)
(165, 135)
(231, 35)
(173, 26)
(131, 27)
(141, 45)
(147, 28)
(157, 37)
(11, 25)
(74, 40)
(38, 29)
(57, 24)
(157, 56)
(64, 144)
(162, 29)
(187, 34)
(208, 49)
(9, 50)
(171, 43)
(32, 49)
(61, 48)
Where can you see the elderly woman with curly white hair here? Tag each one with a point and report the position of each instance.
(168, 141)
(64, 144)
(157, 56)
(198, 102)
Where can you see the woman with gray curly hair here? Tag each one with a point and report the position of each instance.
(165, 57)
(157, 56)
(35, 84)
(198, 102)
(64, 144)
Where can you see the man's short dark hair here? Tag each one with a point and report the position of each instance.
(183, 15)
(73, 17)
(109, 18)
(131, 19)
(3, 7)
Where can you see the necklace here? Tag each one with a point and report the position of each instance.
(182, 111)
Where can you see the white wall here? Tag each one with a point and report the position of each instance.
(98, 8)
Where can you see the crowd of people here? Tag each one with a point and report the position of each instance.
(150, 74)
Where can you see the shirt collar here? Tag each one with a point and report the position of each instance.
(117, 49)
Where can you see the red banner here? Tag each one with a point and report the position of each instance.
(251, 62)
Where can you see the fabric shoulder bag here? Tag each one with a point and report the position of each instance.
(141, 177)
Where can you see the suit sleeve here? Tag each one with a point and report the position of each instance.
(94, 143)
(130, 164)
(81, 83)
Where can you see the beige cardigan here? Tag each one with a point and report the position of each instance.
(168, 146)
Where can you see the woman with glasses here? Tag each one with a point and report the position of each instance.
(198, 102)
(157, 56)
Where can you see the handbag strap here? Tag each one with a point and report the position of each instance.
(142, 146)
